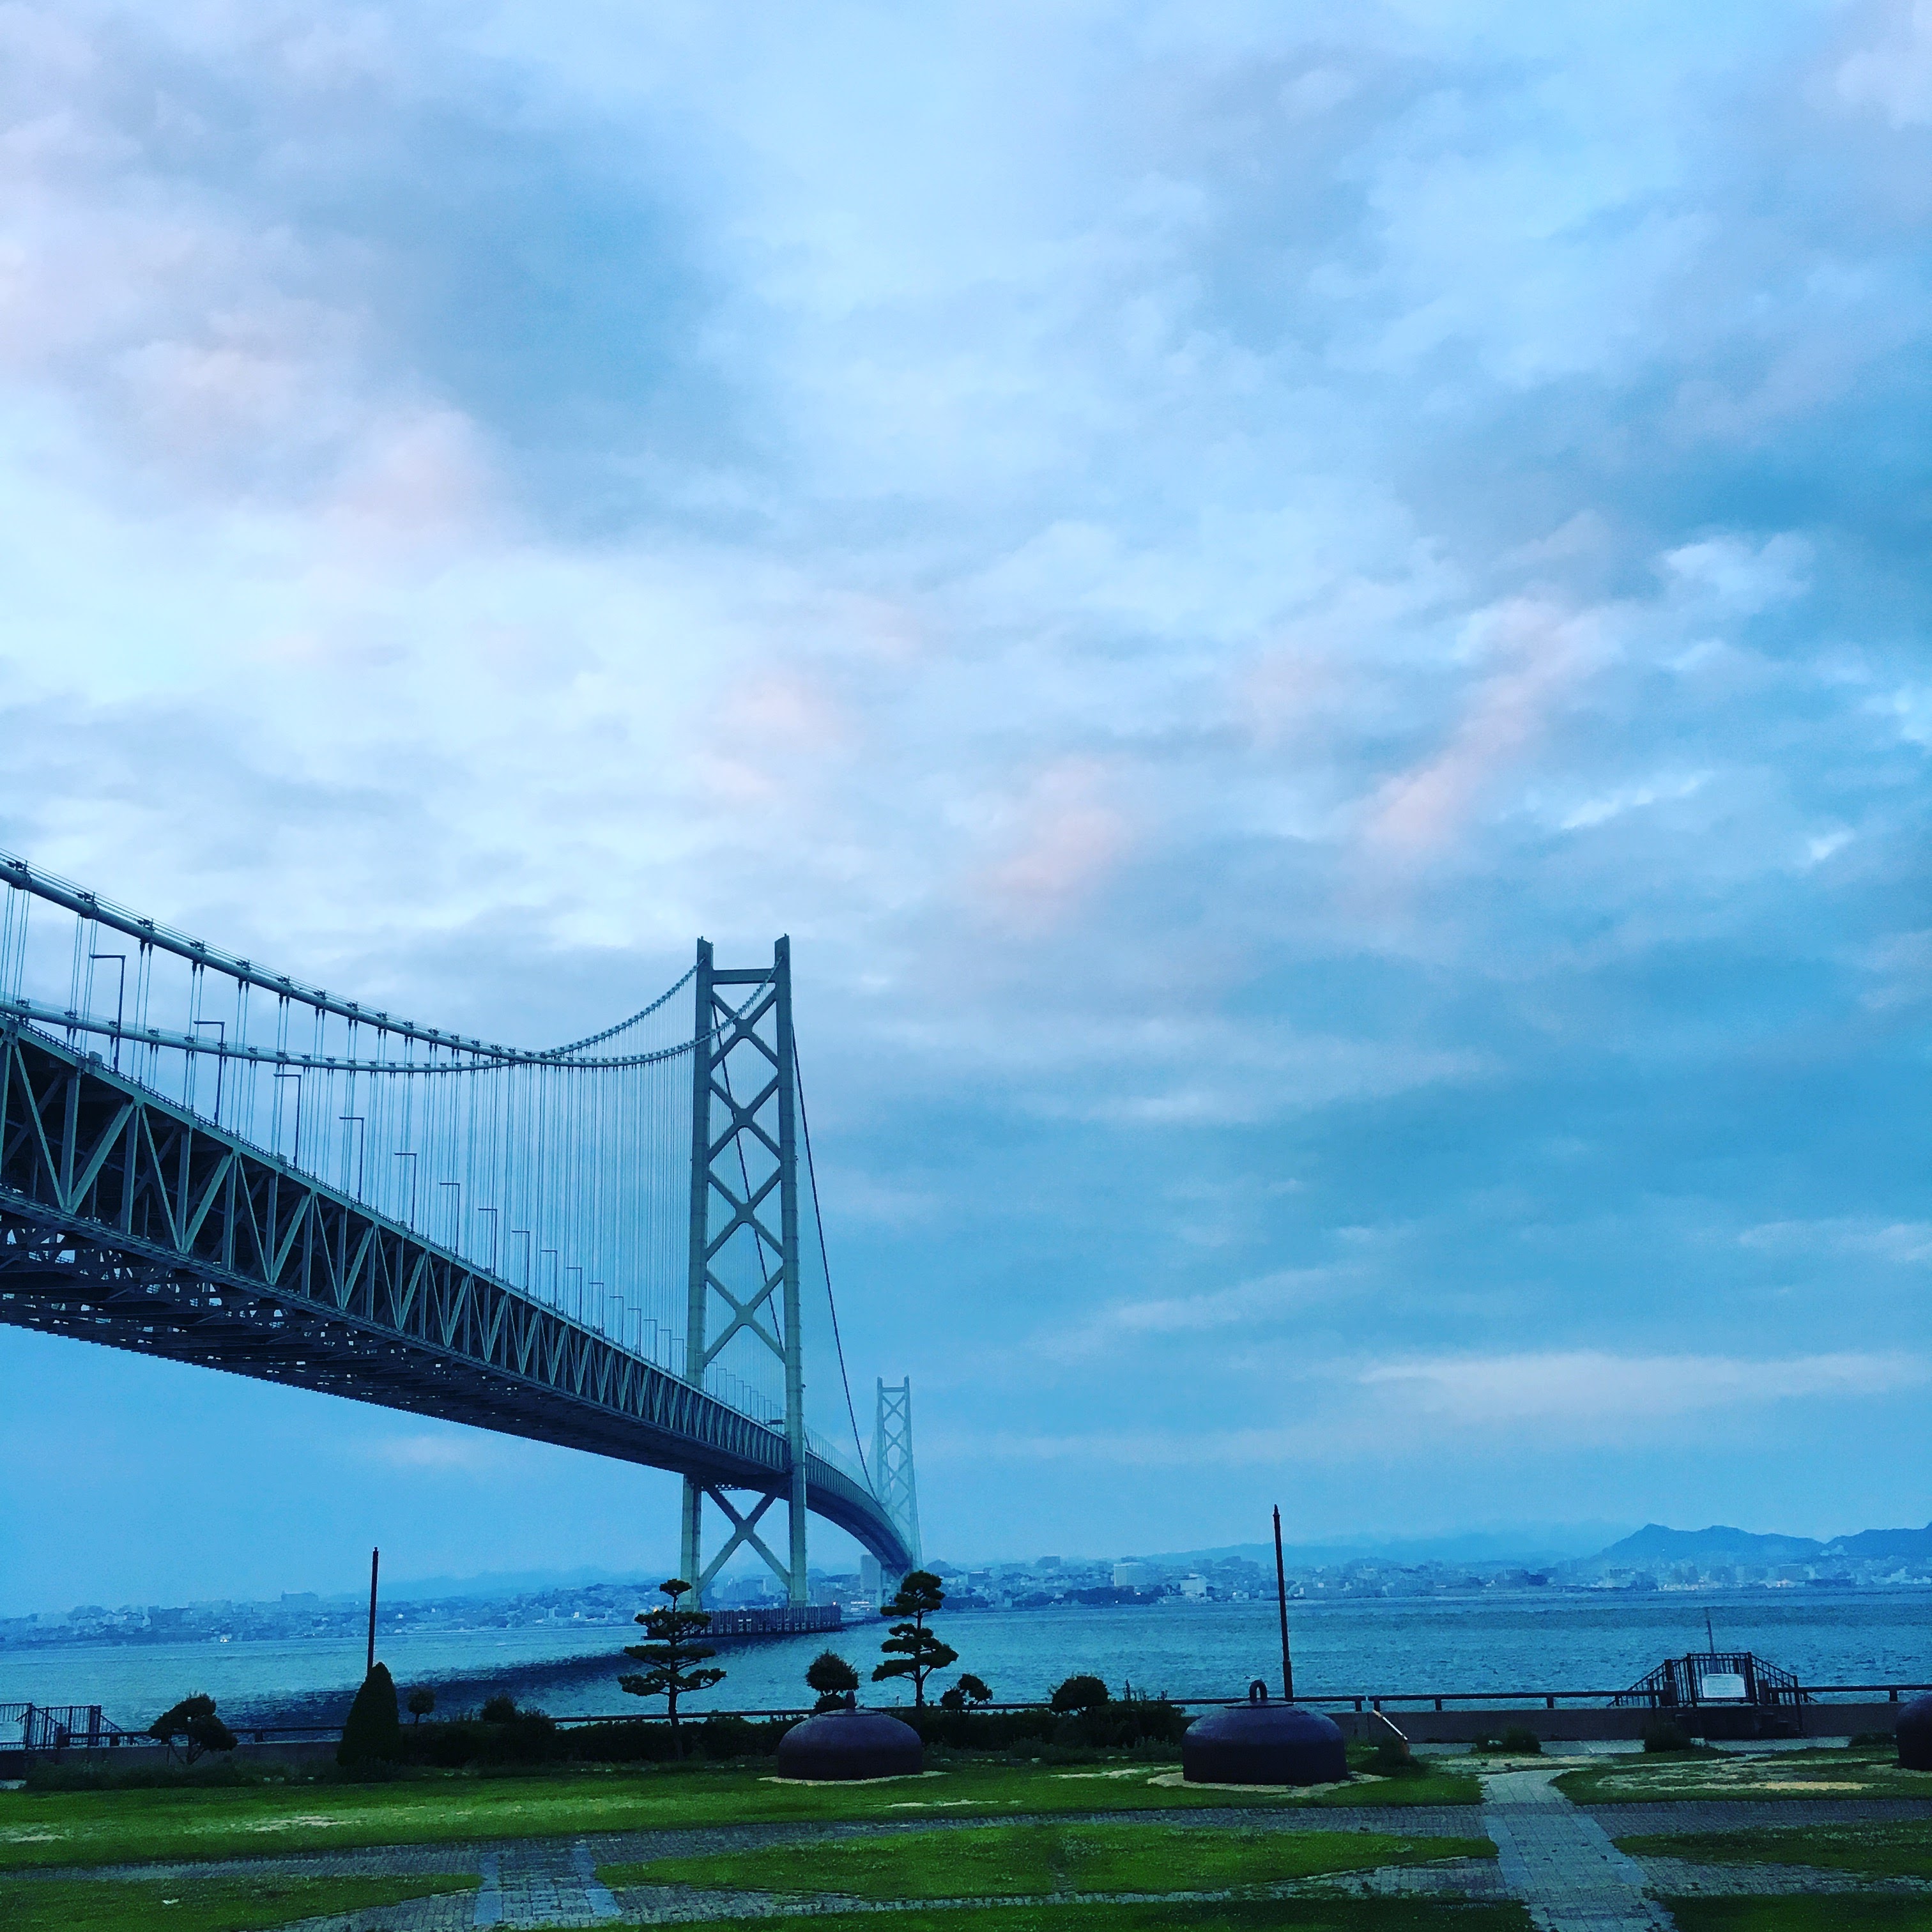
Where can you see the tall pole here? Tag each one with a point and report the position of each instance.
(690, 1549)
(1281, 1598)
(375, 1558)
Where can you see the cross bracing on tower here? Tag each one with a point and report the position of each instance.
(204, 1159)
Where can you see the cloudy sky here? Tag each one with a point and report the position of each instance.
(1314, 619)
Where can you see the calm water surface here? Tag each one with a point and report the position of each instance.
(1492, 1643)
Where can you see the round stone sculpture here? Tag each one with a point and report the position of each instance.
(1915, 1735)
(1261, 1743)
(850, 1744)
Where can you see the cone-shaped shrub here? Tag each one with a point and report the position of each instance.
(373, 1734)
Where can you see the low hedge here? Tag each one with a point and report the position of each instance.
(531, 1738)
(1104, 1726)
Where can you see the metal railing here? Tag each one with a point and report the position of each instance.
(59, 1726)
(71, 1722)
(1678, 1683)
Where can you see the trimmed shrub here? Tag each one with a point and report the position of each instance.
(373, 1735)
(1112, 1726)
(833, 1679)
(959, 1730)
(623, 1741)
(1394, 1759)
(1663, 1734)
(500, 1735)
(1133, 1721)
(1081, 1693)
(1519, 1741)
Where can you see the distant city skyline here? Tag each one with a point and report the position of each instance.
(1656, 1557)
(1314, 622)
(1717, 1553)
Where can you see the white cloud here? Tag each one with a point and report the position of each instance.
(1904, 1243)
(1600, 810)
(1266, 1299)
(1124, 539)
(1472, 1405)
(1588, 1387)
(1732, 575)
(1895, 74)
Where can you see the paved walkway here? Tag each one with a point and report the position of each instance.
(1679, 1878)
(1560, 1861)
(1751, 1814)
(542, 1882)
(1555, 1857)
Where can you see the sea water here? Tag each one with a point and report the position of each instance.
(1495, 1643)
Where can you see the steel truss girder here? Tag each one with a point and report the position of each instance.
(127, 1220)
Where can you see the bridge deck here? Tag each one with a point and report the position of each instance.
(126, 1220)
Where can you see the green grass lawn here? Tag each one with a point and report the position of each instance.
(1834, 1913)
(199, 1905)
(1030, 1861)
(92, 1827)
(1881, 1851)
(1808, 1774)
(1309, 1915)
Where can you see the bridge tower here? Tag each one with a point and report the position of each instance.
(744, 1232)
(891, 1462)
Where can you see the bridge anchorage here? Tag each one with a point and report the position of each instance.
(606, 1245)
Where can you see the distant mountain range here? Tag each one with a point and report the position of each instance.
(1532, 1544)
(1574, 1548)
(1655, 1544)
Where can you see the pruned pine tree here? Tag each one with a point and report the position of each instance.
(833, 1679)
(912, 1650)
(969, 1691)
(669, 1659)
(193, 1723)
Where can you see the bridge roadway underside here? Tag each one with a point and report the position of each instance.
(126, 1221)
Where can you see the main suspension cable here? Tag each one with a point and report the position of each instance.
(825, 1266)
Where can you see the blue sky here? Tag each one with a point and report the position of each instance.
(1315, 622)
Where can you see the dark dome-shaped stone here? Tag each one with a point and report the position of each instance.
(850, 1743)
(1915, 1735)
(1261, 1743)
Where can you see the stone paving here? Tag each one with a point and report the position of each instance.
(1745, 1814)
(1679, 1878)
(1560, 1861)
(1557, 1857)
(448, 1912)
(544, 1881)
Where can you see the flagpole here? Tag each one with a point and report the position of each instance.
(1281, 1598)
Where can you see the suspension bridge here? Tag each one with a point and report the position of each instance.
(612, 1245)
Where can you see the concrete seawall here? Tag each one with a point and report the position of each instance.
(1829, 1724)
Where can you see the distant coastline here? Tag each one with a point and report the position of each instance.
(1654, 1558)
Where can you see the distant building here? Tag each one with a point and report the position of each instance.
(1131, 1573)
(1194, 1588)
